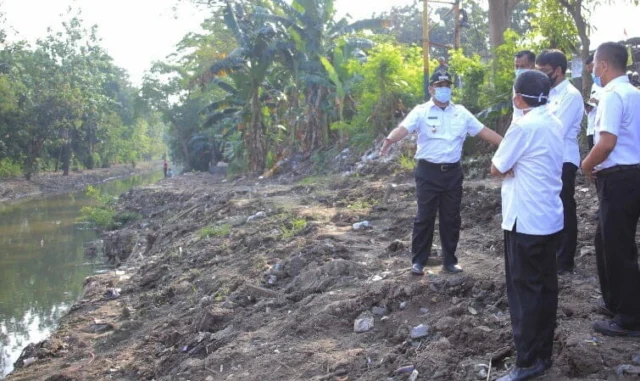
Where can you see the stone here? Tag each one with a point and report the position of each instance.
(587, 250)
(419, 331)
(379, 311)
(363, 323)
(636, 359)
(404, 305)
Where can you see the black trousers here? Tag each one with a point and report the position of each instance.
(569, 241)
(439, 192)
(532, 291)
(615, 241)
(590, 142)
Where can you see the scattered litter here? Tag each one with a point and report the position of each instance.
(257, 216)
(405, 369)
(414, 375)
(404, 305)
(472, 311)
(361, 225)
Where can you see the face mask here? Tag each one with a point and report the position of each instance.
(596, 80)
(539, 98)
(520, 71)
(552, 79)
(443, 94)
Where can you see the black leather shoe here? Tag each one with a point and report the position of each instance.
(416, 269)
(452, 269)
(522, 374)
(611, 328)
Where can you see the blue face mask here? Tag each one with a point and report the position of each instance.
(596, 80)
(442, 94)
(520, 71)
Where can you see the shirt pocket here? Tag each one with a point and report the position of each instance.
(457, 128)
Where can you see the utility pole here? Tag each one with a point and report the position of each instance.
(425, 47)
(456, 28)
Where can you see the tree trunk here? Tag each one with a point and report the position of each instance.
(66, 159)
(254, 137)
(499, 19)
(575, 10)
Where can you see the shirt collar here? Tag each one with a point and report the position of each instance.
(621, 79)
(562, 86)
(430, 104)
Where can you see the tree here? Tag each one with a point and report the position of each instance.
(500, 12)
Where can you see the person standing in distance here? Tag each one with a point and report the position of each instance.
(615, 163)
(530, 160)
(593, 103)
(566, 104)
(524, 60)
(442, 127)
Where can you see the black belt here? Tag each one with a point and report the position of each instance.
(617, 168)
(442, 167)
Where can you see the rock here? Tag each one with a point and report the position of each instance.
(294, 266)
(587, 250)
(396, 246)
(111, 293)
(213, 319)
(404, 305)
(206, 301)
(419, 331)
(379, 311)
(424, 311)
(622, 370)
(636, 359)
(126, 312)
(363, 323)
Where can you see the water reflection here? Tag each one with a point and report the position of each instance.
(42, 264)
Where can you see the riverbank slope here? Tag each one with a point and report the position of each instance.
(267, 281)
(48, 183)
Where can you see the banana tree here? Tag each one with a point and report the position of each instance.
(260, 45)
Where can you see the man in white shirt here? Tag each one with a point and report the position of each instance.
(530, 160)
(442, 128)
(592, 107)
(524, 60)
(615, 163)
(566, 103)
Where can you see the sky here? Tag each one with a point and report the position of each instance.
(139, 32)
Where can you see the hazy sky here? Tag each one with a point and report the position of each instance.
(137, 32)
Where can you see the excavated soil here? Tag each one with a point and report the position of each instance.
(276, 297)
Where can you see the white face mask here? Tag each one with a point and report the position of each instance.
(538, 97)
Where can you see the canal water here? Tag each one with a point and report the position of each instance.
(43, 265)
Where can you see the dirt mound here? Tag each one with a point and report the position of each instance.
(266, 282)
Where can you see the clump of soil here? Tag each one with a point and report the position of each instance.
(246, 281)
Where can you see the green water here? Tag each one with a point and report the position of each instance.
(43, 265)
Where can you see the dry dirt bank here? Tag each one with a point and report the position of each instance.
(47, 183)
(276, 297)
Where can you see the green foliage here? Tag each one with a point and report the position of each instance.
(100, 216)
(407, 162)
(292, 227)
(390, 85)
(214, 231)
(9, 168)
(362, 205)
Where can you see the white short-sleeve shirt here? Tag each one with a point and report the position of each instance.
(591, 117)
(619, 114)
(441, 133)
(532, 148)
(566, 103)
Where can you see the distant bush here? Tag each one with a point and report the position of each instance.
(9, 168)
